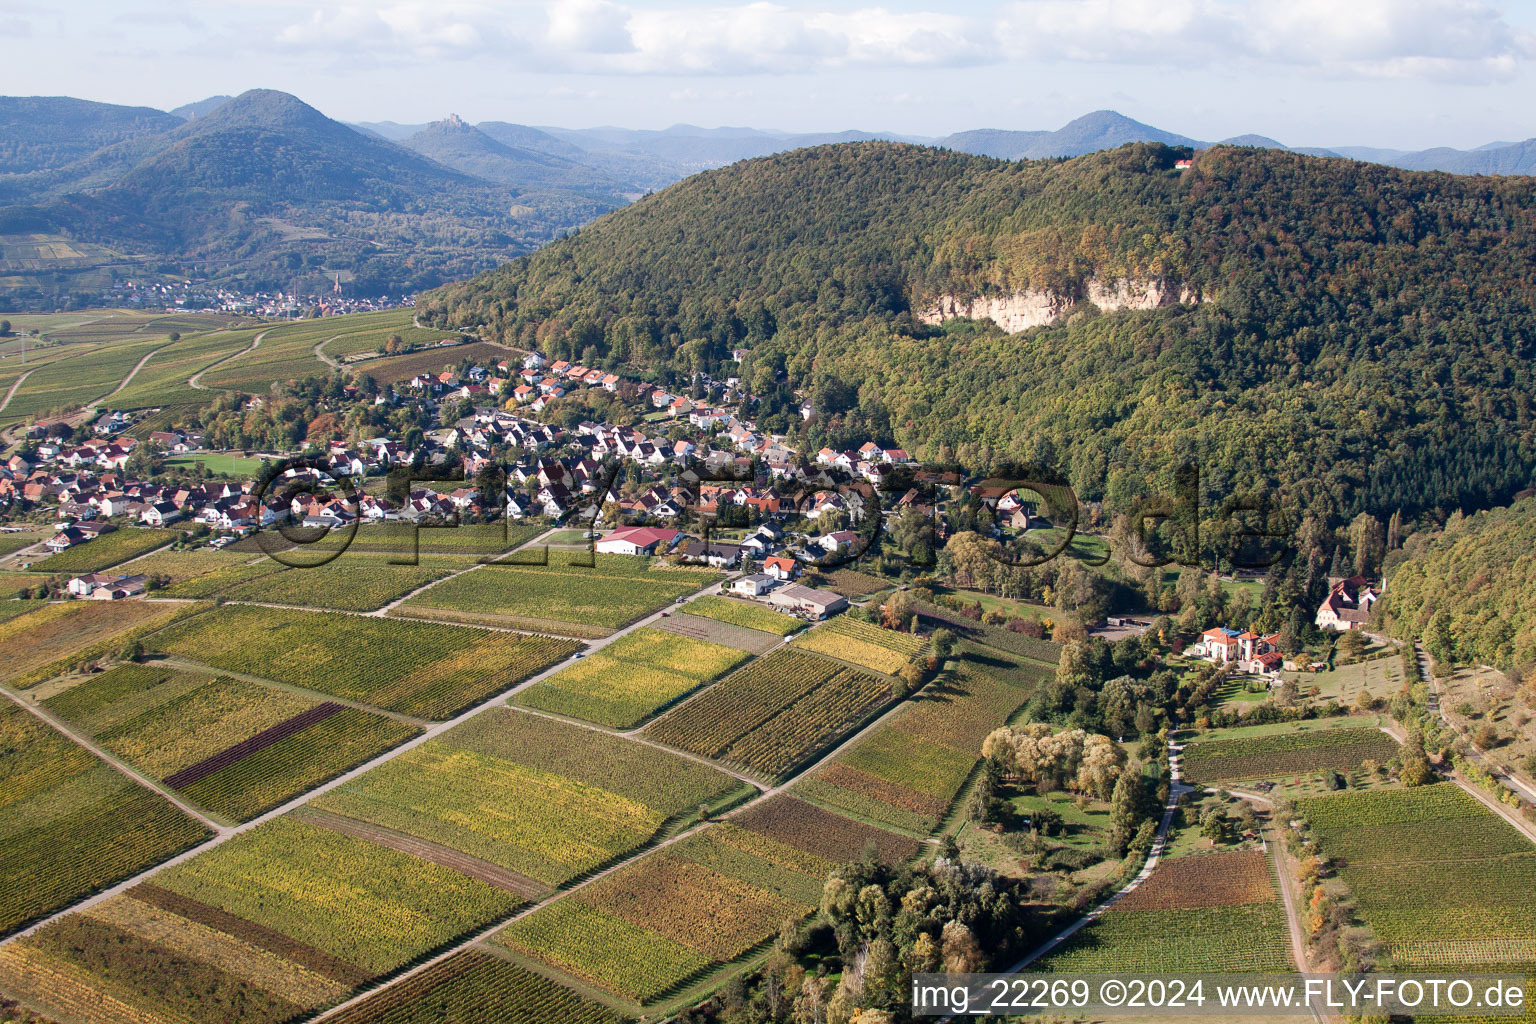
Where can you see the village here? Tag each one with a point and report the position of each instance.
(695, 482)
(701, 486)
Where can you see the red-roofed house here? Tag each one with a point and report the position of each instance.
(781, 567)
(637, 540)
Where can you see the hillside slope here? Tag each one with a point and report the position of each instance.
(1351, 336)
(1466, 589)
(264, 185)
(1102, 129)
(467, 149)
(40, 133)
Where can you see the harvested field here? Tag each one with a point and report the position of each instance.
(754, 641)
(59, 634)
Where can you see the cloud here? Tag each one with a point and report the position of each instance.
(1442, 39)
(409, 30)
(605, 37)
(1467, 40)
(589, 26)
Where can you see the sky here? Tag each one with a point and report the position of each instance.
(1405, 74)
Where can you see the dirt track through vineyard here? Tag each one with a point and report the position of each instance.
(463, 863)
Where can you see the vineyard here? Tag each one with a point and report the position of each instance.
(162, 381)
(479, 796)
(993, 636)
(61, 634)
(477, 986)
(1439, 878)
(823, 834)
(907, 772)
(106, 550)
(80, 378)
(179, 720)
(1206, 912)
(608, 596)
(881, 650)
(1288, 753)
(344, 585)
(610, 952)
(365, 905)
(274, 924)
(179, 727)
(415, 668)
(759, 860)
(634, 771)
(772, 715)
(1209, 880)
(649, 928)
(402, 542)
(744, 613)
(397, 368)
(184, 564)
(539, 824)
(294, 763)
(625, 682)
(218, 580)
(848, 582)
(59, 797)
(286, 352)
(11, 585)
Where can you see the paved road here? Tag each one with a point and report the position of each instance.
(484, 935)
(397, 602)
(1501, 809)
(320, 354)
(225, 833)
(1176, 789)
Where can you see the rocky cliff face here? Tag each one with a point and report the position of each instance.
(1030, 308)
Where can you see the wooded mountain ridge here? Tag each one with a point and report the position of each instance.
(262, 191)
(1363, 340)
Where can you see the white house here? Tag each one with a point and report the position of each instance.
(637, 540)
(754, 585)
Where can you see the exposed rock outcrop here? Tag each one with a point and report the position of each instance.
(1035, 308)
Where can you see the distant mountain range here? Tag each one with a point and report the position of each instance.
(262, 189)
(687, 148)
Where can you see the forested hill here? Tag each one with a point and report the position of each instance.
(1365, 341)
(1466, 590)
